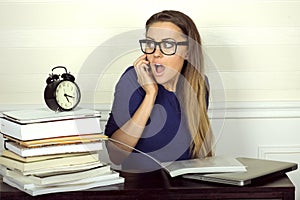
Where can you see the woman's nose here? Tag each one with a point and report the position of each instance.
(157, 52)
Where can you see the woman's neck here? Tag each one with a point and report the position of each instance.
(172, 84)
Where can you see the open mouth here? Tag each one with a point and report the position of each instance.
(159, 68)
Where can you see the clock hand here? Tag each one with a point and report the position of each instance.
(66, 97)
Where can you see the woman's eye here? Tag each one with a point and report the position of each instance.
(168, 45)
(150, 44)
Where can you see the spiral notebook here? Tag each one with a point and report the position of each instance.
(257, 170)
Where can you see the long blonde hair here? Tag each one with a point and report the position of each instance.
(192, 86)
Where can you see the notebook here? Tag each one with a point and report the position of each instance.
(257, 170)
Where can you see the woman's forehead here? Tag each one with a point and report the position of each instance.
(162, 30)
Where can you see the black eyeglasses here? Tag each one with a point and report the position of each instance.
(167, 47)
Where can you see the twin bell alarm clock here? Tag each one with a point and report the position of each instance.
(61, 92)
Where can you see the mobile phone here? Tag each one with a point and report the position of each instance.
(149, 67)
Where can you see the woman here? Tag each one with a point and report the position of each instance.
(159, 111)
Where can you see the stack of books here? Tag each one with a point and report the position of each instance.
(47, 152)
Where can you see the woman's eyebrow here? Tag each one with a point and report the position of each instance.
(149, 38)
(164, 39)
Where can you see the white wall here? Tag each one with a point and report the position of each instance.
(254, 44)
(253, 49)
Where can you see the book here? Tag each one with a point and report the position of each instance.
(59, 177)
(50, 129)
(34, 191)
(63, 168)
(214, 164)
(74, 139)
(27, 184)
(10, 154)
(2, 170)
(105, 176)
(52, 149)
(48, 164)
(45, 115)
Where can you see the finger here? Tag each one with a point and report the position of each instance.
(139, 59)
(144, 68)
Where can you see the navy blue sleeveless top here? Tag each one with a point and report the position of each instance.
(165, 137)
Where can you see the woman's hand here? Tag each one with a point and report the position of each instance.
(145, 76)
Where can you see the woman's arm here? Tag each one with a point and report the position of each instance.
(130, 133)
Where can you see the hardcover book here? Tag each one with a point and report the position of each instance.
(49, 129)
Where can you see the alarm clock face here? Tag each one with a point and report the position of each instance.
(67, 95)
